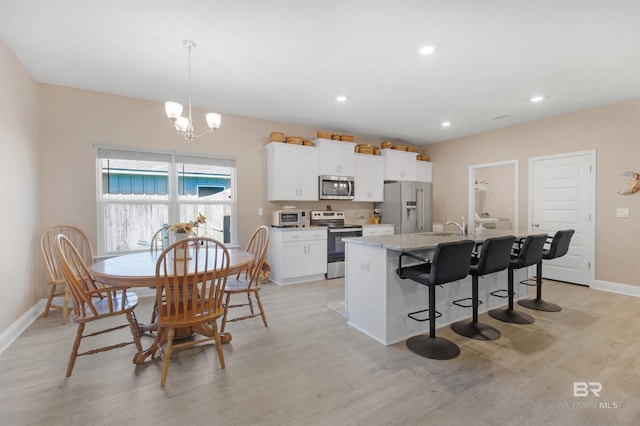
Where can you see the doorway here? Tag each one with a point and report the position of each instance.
(562, 196)
(493, 189)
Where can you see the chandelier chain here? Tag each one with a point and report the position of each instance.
(190, 45)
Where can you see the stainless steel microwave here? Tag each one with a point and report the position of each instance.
(336, 188)
(288, 218)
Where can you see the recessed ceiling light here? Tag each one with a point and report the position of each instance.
(427, 50)
(341, 98)
(537, 98)
(445, 124)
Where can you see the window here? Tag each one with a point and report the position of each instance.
(139, 192)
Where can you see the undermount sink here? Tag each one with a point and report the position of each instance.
(440, 234)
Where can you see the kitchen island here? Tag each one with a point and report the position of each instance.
(377, 301)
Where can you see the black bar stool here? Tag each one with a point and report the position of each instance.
(528, 252)
(451, 262)
(558, 248)
(495, 256)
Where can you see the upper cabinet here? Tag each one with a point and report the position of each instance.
(399, 165)
(335, 157)
(369, 178)
(292, 172)
(424, 171)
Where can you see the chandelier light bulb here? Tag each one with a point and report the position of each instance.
(213, 120)
(182, 124)
(173, 110)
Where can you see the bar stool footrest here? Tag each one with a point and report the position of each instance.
(464, 305)
(531, 282)
(412, 315)
(501, 293)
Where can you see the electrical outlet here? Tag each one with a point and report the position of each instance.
(622, 212)
(260, 211)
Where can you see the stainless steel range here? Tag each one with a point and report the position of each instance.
(337, 231)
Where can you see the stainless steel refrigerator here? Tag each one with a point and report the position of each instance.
(407, 205)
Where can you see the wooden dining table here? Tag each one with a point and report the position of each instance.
(139, 270)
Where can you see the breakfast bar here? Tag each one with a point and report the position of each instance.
(377, 301)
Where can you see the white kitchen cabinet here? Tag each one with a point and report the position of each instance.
(335, 158)
(375, 230)
(292, 172)
(369, 178)
(399, 165)
(424, 171)
(297, 255)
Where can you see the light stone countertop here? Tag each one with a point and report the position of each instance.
(295, 228)
(427, 240)
(309, 227)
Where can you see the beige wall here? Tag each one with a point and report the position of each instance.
(74, 120)
(613, 131)
(19, 189)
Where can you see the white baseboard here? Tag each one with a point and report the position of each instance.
(14, 330)
(629, 290)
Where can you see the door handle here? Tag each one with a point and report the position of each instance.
(535, 225)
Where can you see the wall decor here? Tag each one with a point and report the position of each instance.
(633, 185)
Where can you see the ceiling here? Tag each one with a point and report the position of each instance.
(288, 60)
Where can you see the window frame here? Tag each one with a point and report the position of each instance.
(173, 201)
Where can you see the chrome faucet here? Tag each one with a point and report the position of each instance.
(462, 228)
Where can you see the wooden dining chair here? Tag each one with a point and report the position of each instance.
(56, 280)
(93, 301)
(248, 282)
(189, 291)
(158, 241)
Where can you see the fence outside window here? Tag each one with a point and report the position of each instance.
(140, 191)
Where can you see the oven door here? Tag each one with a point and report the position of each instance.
(335, 243)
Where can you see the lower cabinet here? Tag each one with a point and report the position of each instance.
(374, 230)
(297, 255)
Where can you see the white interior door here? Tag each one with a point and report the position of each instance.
(561, 197)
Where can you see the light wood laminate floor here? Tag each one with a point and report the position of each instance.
(310, 368)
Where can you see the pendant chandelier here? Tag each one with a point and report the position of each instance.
(184, 125)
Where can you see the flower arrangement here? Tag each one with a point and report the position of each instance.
(187, 227)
